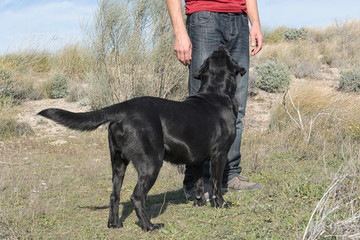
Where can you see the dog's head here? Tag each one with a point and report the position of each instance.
(219, 70)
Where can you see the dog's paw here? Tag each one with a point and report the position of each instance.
(227, 205)
(221, 203)
(200, 201)
(115, 225)
(153, 227)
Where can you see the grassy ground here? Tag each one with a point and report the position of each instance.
(61, 191)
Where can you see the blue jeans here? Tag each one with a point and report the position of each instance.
(207, 30)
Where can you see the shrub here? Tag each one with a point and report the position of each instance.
(295, 34)
(58, 86)
(131, 58)
(350, 80)
(272, 77)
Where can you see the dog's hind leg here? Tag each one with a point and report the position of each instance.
(148, 170)
(119, 165)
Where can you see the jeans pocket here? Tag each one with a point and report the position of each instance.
(245, 20)
(199, 18)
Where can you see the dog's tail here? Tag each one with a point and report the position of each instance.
(86, 121)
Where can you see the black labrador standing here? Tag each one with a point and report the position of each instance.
(148, 130)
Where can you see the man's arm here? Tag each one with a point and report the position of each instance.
(256, 36)
(183, 44)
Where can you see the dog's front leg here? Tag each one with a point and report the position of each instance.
(198, 186)
(217, 170)
(218, 199)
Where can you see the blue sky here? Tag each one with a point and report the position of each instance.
(42, 24)
(307, 13)
(53, 23)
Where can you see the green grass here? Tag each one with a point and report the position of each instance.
(62, 192)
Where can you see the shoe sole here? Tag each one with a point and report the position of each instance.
(225, 190)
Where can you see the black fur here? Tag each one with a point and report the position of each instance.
(148, 130)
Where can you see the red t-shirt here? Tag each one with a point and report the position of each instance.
(230, 6)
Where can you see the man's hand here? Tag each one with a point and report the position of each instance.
(256, 39)
(183, 44)
(183, 48)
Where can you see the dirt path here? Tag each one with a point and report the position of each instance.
(258, 110)
(257, 114)
(40, 125)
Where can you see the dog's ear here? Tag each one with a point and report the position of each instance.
(237, 68)
(202, 70)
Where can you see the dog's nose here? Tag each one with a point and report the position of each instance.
(221, 48)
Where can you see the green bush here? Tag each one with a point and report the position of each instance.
(295, 34)
(6, 84)
(58, 86)
(272, 77)
(350, 80)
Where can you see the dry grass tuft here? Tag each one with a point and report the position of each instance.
(300, 56)
(320, 111)
(73, 61)
(340, 43)
(337, 214)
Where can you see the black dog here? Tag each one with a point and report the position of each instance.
(148, 130)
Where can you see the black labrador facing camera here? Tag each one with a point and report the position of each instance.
(147, 131)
